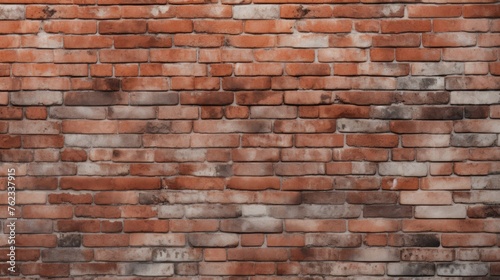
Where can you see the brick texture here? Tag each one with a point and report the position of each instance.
(251, 139)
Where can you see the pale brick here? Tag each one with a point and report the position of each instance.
(487, 197)
(114, 141)
(418, 83)
(410, 269)
(437, 69)
(441, 212)
(125, 254)
(99, 169)
(336, 240)
(462, 269)
(157, 239)
(34, 127)
(446, 183)
(272, 112)
(176, 255)
(146, 269)
(370, 255)
(67, 255)
(348, 125)
(213, 211)
(473, 140)
(154, 98)
(213, 240)
(248, 225)
(51, 169)
(391, 112)
(303, 41)
(92, 113)
(315, 211)
(254, 210)
(426, 198)
(129, 112)
(491, 182)
(256, 11)
(166, 211)
(36, 98)
(403, 169)
(12, 12)
(343, 268)
(475, 97)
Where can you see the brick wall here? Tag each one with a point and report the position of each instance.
(264, 139)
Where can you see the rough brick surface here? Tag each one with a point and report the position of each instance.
(251, 139)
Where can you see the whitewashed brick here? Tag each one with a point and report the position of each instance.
(403, 169)
(254, 210)
(146, 269)
(420, 83)
(91, 113)
(349, 125)
(170, 211)
(437, 69)
(128, 112)
(303, 41)
(115, 141)
(12, 12)
(391, 112)
(36, 98)
(473, 140)
(441, 212)
(256, 12)
(462, 269)
(475, 97)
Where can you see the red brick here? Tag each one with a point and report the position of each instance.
(135, 55)
(46, 269)
(404, 26)
(192, 225)
(368, 11)
(434, 11)
(87, 42)
(253, 183)
(90, 183)
(481, 11)
(194, 183)
(198, 40)
(170, 26)
(307, 11)
(141, 41)
(324, 26)
(71, 26)
(53, 212)
(218, 27)
(369, 140)
(256, 41)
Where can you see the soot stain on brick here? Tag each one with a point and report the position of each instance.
(302, 11)
(116, 153)
(422, 240)
(153, 198)
(48, 12)
(487, 211)
(69, 240)
(158, 127)
(427, 82)
(106, 84)
(224, 170)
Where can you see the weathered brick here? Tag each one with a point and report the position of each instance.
(411, 269)
(469, 269)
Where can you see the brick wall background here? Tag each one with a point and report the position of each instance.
(264, 139)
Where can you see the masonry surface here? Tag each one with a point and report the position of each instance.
(251, 140)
